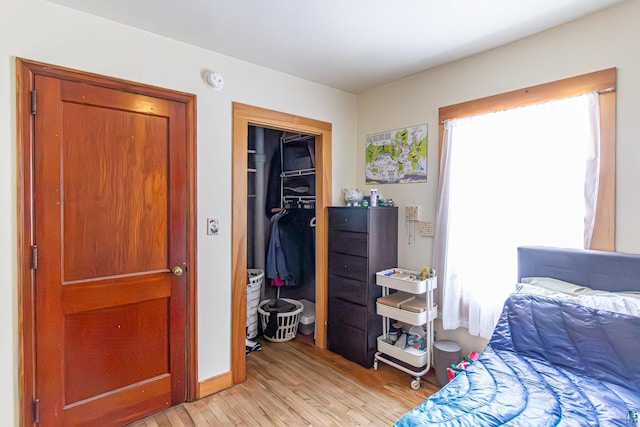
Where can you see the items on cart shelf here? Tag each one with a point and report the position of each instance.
(395, 331)
(405, 301)
(428, 272)
(398, 274)
(416, 338)
(417, 304)
(396, 299)
(401, 342)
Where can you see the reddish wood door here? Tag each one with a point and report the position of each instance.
(110, 218)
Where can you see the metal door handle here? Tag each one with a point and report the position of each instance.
(177, 271)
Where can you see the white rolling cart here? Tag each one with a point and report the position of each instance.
(405, 306)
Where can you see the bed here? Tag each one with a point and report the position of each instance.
(565, 351)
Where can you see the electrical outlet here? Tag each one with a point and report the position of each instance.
(213, 226)
(412, 213)
(426, 228)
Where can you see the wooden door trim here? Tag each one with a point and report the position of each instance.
(244, 116)
(26, 70)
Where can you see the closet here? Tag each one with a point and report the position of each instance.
(281, 191)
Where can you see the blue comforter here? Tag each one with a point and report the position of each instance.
(549, 362)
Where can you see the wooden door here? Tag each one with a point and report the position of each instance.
(110, 221)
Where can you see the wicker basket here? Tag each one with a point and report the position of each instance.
(287, 322)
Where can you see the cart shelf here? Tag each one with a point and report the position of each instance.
(405, 280)
(405, 316)
(411, 305)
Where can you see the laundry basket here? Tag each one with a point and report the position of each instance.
(287, 322)
(256, 277)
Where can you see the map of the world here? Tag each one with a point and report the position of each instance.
(397, 156)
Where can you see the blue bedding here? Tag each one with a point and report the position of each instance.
(549, 362)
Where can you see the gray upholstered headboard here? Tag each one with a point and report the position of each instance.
(610, 271)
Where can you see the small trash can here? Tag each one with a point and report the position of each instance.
(307, 324)
(445, 353)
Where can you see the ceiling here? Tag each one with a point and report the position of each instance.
(352, 45)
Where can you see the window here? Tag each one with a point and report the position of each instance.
(501, 188)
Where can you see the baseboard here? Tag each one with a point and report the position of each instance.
(214, 384)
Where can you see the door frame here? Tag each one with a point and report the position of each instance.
(243, 117)
(26, 70)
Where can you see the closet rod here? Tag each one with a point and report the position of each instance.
(298, 172)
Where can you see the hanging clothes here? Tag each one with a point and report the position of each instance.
(291, 251)
(276, 268)
(296, 238)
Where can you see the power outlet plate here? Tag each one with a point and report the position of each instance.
(213, 226)
(412, 213)
(427, 228)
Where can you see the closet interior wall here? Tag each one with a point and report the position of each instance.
(266, 198)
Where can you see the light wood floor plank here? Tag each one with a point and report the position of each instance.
(219, 415)
(151, 422)
(201, 414)
(297, 384)
(187, 420)
(178, 417)
(163, 419)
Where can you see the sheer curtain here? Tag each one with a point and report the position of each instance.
(517, 177)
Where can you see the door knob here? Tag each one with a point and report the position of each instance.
(177, 271)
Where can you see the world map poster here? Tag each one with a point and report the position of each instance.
(397, 156)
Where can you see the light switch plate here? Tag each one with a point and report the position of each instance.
(213, 226)
(426, 228)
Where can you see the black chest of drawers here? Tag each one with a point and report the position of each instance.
(362, 241)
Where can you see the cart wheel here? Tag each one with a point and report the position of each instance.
(375, 364)
(415, 384)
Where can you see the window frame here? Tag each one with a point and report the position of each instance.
(603, 82)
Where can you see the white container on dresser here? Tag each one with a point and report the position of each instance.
(408, 299)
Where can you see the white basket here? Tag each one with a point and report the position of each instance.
(252, 324)
(253, 298)
(253, 317)
(254, 287)
(287, 322)
(252, 330)
(256, 276)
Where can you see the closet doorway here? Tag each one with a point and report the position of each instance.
(281, 180)
(245, 118)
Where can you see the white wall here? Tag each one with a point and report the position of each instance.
(41, 31)
(603, 40)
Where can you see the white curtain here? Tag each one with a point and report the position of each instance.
(517, 177)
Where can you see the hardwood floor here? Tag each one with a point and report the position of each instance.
(297, 384)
